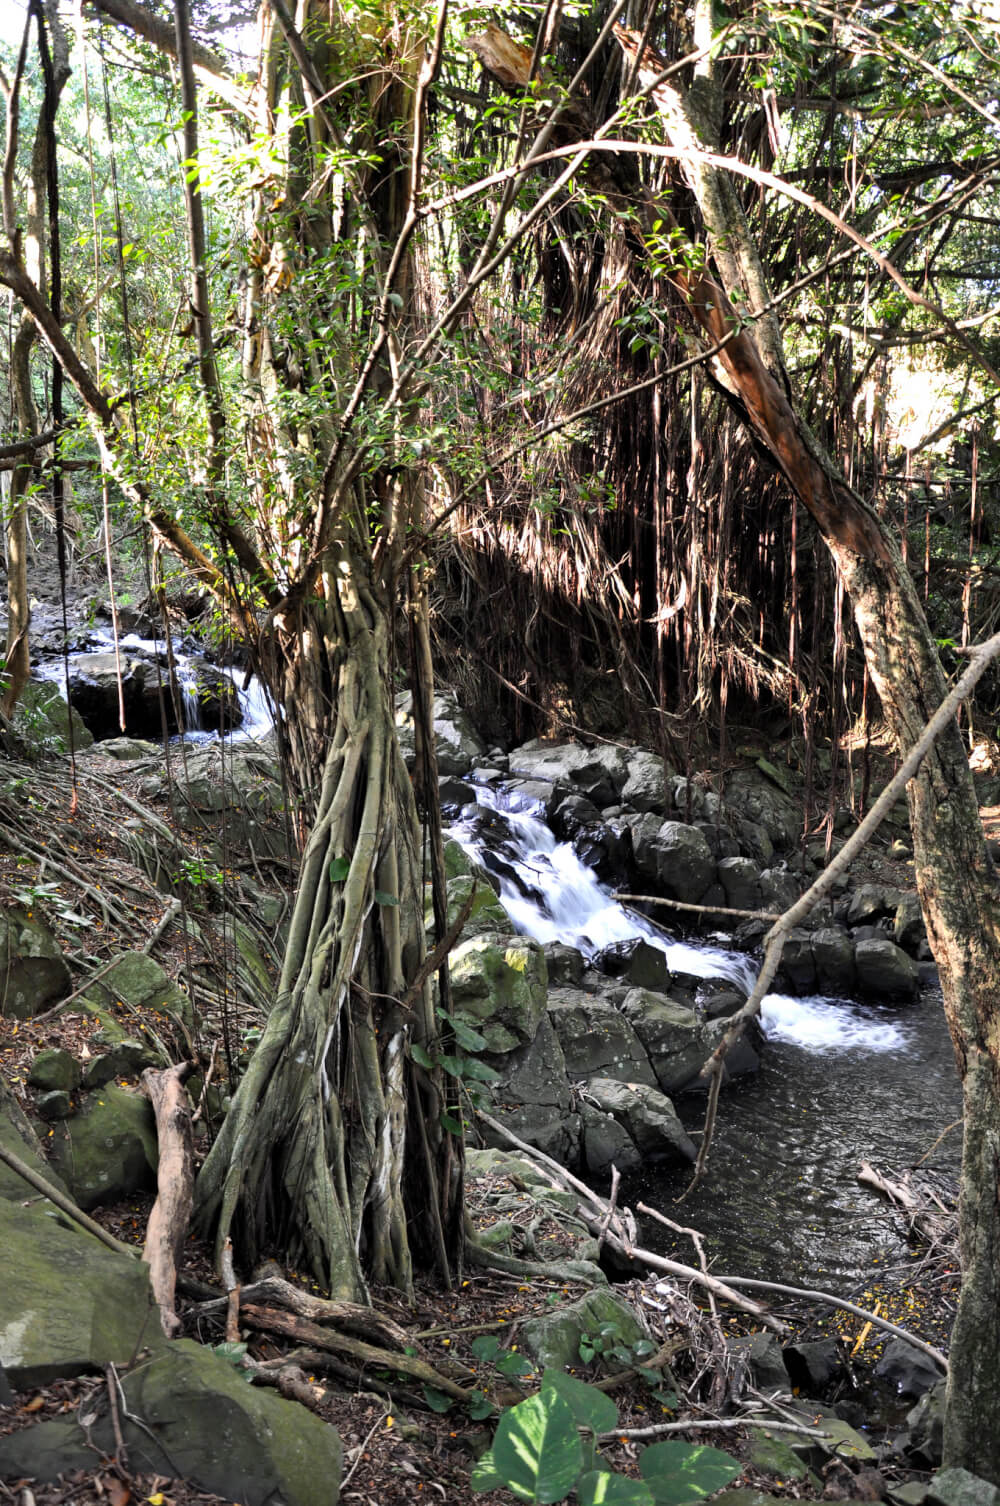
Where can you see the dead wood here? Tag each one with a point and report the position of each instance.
(927, 1215)
(171, 1213)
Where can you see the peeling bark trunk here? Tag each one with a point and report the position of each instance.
(168, 1221)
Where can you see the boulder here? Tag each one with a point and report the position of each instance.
(109, 1148)
(126, 1058)
(637, 961)
(554, 1337)
(779, 889)
(910, 1370)
(959, 1487)
(486, 916)
(753, 841)
(606, 1143)
(671, 1034)
(68, 1305)
(884, 971)
(647, 1115)
(813, 1366)
(33, 972)
(129, 749)
(645, 788)
(597, 1040)
(599, 773)
(533, 1097)
(498, 985)
(459, 746)
(42, 719)
(206, 698)
(923, 1442)
(833, 955)
(234, 792)
(740, 880)
(755, 797)
(908, 930)
(798, 963)
(762, 1355)
(674, 856)
(139, 980)
(189, 1413)
(54, 1069)
(18, 1137)
(870, 902)
(565, 964)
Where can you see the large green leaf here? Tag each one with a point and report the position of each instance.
(484, 1476)
(677, 1472)
(602, 1489)
(591, 1408)
(537, 1450)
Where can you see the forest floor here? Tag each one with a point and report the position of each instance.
(397, 1451)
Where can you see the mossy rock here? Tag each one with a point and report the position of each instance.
(486, 916)
(554, 1338)
(141, 982)
(54, 1070)
(33, 971)
(109, 1148)
(498, 985)
(42, 718)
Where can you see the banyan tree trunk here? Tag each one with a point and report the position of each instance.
(333, 1150)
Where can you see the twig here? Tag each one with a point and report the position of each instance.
(612, 1200)
(946, 1131)
(727, 1424)
(849, 1307)
(40, 1019)
(172, 909)
(121, 1452)
(680, 904)
(359, 1452)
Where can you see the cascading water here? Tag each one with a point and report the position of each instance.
(840, 1081)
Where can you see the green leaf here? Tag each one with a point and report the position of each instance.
(339, 869)
(536, 1450)
(474, 1071)
(602, 1489)
(381, 898)
(420, 1056)
(449, 1122)
(677, 1472)
(479, 1406)
(467, 1038)
(515, 1364)
(484, 1476)
(437, 1401)
(486, 1347)
(590, 1407)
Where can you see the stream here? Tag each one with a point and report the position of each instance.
(840, 1082)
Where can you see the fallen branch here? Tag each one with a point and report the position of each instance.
(828, 1300)
(274, 1290)
(171, 1213)
(172, 909)
(681, 904)
(66, 1204)
(270, 1320)
(658, 1429)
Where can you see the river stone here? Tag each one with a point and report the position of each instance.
(565, 964)
(754, 841)
(42, 716)
(636, 960)
(498, 985)
(109, 1148)
(533, 1097)
(798, 963)
(458, 744)
(910, 1370)
(958, 1487)
(908, 930)
(54, 1069)
(599, 773)
(647, 1115)
(884, 970)
(779, 889)
(596, 1039)
(554, 1338)
(813, 1366)
(33, 972)
(764, 1361)
(645, 789)
(671, 1035)
(145, 689)
(67, 1304)
(674, 856)
(833, 954)
(142, 982)
(740, 880)
(572, 814)
(607, 1144)
(200, 1421)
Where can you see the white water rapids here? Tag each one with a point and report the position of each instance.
(551, 895)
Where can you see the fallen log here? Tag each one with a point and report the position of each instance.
(171, 1213)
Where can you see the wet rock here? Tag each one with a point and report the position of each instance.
(33, 973)
(597, 1040)
(199, 1420)
(884, 971)
(564, 963)
(486, 916)
(572, 814)
(779, 889)
(812, 1367)
(499, 986)
(922, 1443)
(833, 955)
(798, 963)
(606, 1143)
(674, 856)
(637, 961)
(453, 793)
(870, 902)
(599, 773)
(108, 1149)
(910, 1370)
(723, 1005)
(647, 1115)
(533, 1097)
(67, 1304)
(740, 879)
(672, 1036)
(211, 701)
(764, 1361)
(54, 1069)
